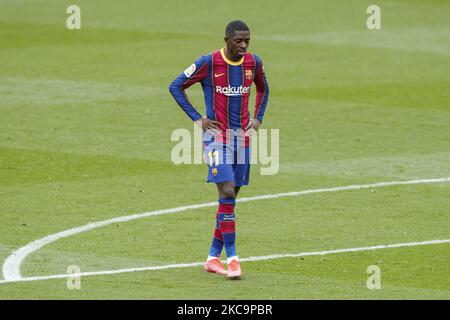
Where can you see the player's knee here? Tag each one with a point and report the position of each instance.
(228, 193)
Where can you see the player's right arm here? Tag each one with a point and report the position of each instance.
(194, 73)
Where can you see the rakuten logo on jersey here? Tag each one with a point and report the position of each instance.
(232, 91)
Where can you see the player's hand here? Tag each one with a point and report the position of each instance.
(252, 127)
(209, 125)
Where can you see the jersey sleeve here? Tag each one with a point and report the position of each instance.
(194, 73)
(262, 90)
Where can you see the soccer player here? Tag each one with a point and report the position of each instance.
(226, 76)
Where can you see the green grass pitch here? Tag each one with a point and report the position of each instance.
(85, 126)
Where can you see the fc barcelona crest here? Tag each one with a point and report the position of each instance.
(248, 74)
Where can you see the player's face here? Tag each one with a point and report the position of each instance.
(238, 43)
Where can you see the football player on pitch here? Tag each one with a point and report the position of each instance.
(226, 76)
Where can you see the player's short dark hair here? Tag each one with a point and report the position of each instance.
(236, 25)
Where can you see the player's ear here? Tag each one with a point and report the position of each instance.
(225, 39)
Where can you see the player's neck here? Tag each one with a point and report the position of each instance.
(231, 58)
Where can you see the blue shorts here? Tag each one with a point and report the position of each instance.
(226, 161)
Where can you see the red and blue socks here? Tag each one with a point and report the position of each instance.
(225, 232)
(217, 243)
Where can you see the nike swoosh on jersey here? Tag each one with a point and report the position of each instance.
(218, 74)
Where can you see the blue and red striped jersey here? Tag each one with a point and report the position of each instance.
(226, 87)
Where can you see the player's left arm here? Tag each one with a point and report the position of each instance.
(262, 95)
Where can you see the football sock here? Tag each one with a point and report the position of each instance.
(227, 225)
(229, 259)
(217, 243)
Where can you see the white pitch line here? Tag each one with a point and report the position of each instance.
(12, 264)
(250, 259)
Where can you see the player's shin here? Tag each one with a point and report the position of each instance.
(217, 243)
(228, 225)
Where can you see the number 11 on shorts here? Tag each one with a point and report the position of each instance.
(213, 158)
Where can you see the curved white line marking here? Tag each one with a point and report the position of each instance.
(259, 258)
(12, 264)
